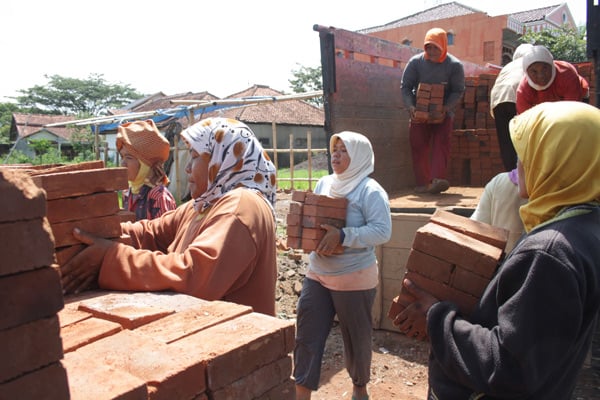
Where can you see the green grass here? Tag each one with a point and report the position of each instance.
(284, 176)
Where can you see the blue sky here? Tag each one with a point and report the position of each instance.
(220, 47)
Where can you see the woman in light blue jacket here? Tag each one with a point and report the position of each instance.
(343, 284)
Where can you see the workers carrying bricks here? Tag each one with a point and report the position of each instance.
(530, 333)
(144, 150)
(429, 137)
(343, 284)
(218, 246)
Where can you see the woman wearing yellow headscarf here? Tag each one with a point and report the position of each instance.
(533, 326)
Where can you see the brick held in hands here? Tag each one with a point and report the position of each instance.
(108, 227)
(326, 201)
(21, 199)
(83, 207)
(489, 234)
(77, 183)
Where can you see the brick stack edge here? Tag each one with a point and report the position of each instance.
(30, 295)
(454, 258)
(308, 211)
(430, 103)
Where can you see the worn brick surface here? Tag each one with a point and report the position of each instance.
(65, 253)
(107, 227)
(86, 331)
(52, 169)
(29, 347)
(169, 373)
(253, 340)
(48, 383)
(430, 267)
(29, 296)
(21, 199)
(77, 183)
(93, 379)
(489, 234)
(16, 241)
(82, 207)
(257, 383)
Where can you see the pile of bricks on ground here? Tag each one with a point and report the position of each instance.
(121, 345)
(30, 295)
(83, 195)
(430, 103)
(453, 258)
(308, 211)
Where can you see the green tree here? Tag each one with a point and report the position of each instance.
(6, 112)
(308, 79)
(70, 96)
(565, 43)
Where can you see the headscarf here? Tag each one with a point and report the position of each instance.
(557, 143)
(521, 50)
(439, 38)
(143, 140)
(362, 162)
(539, 54)
(237, 159)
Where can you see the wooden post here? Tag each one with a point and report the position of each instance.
(291, 161)
(274, 131)
(309, 146)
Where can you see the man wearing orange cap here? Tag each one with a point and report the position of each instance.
(144, 150)
(430, 141)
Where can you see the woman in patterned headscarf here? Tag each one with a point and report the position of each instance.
(343, 283)
(533, 327)
(219, 245)
(144, 150)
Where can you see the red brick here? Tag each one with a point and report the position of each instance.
(313, 233)
(316, 222)
(285, 390)
(295, 208)
(68, 316)
(457, 248)
(52, 169)
(29, 296)
(294, 242)
(82, 207)
(429, 266)
(126, 216)
(91, 379)
(48, 383)
(326, 201)
(107, 227)
(187, 322)
(29, 347)
(169, 372)
(77, 183)
(469, 282)
(293, 230)
(84, 332)
(127, 314)
(16, 239)
(299, 195)
(327, 212)
(65, 253)
(294, 219)
(254, 340)
(21, 199)
(257, 383)
(489, 234)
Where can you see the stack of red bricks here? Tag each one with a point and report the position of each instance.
(430, 103)
(121, 345)
(30, 295)
(85, 196)
(453, 258)
(308, 211)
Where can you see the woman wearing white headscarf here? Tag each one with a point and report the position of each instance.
(343, 284)
(218, 246)
(547, 79)
(533, 327)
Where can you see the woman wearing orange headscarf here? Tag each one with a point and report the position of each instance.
(430, 142)
(144, 150)
(532, 329)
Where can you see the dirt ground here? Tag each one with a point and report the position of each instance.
(399, 366)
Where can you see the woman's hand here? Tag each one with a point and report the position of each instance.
(330, 244)
(412, 321)
(81, 271)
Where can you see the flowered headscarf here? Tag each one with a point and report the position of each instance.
(237, 159)
(557, 143)
(362, 162)
(438, 38)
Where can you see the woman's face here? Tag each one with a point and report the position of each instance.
(522, 188)
(131, 163)
(197, 173)
(433, 52)
(340, 160)
(540, 73)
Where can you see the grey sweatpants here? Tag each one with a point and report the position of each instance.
(317, 307)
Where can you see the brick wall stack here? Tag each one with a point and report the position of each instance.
(30, 295)
(430, 103)
(83, 195)
(475, 153)
(121, 345)
(454, 258)
(308, 211)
